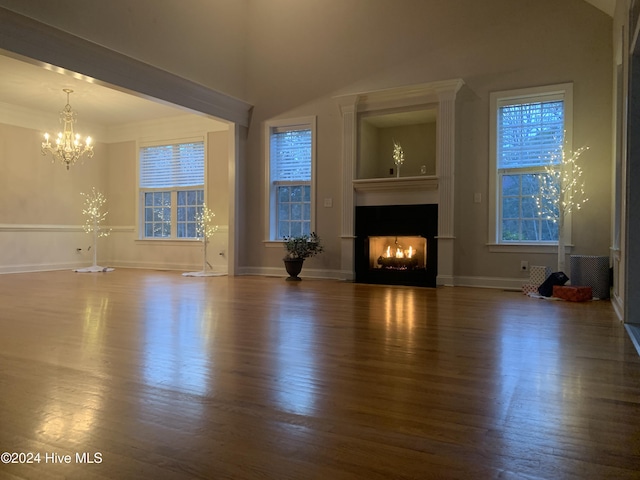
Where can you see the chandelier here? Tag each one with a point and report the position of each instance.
(68, 147)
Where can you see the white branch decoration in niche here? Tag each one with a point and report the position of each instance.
(398, 157)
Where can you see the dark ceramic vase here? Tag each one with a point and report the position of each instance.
(293, 266)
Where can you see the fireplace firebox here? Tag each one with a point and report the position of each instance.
(396, 244)
(397, 253)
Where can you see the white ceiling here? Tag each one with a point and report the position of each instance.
(36, 88)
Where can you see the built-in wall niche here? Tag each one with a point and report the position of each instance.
(414, 130)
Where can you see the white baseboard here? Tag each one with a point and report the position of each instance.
(459, 281)
(306, 272)
(478, 282)
(618, 307)
(116, 264)
(43, 267)
(162, 266)
(503, 283)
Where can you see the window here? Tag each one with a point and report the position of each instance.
(171, 189)
(529, 127)
(291, 161)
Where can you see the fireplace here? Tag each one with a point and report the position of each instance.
(396, 244)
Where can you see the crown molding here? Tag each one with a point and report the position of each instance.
(179, 126)
(398, 97)
(45, 121)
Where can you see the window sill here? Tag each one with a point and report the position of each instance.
(273, 243)
(168, 241)
(526, 247)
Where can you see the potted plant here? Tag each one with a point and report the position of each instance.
(298, 248)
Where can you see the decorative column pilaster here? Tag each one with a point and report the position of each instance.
(348, 108)
(445, 171)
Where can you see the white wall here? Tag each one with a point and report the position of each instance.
(41, 204)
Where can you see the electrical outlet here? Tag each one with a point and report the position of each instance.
(524, 265)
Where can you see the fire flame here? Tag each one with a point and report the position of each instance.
(399, 253)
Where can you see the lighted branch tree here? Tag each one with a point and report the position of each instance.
(94, 219)
(561, 191)
(398, 157)
(205, 228)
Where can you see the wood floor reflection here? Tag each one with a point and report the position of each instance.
(148, 374)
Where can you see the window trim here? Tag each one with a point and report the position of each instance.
(495, 100)
(299, 123)
(140, 210)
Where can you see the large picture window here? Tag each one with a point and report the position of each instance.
(171, 189)
(291, 183)
(529, 128)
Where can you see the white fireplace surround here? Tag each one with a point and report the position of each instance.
(427, 189)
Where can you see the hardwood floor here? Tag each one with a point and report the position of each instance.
(153, 375)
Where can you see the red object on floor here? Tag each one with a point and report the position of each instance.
(572, 293)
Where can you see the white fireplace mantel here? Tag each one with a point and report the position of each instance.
(388, 191)
(381, 184)
(396, 191)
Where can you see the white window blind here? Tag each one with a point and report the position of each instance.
(166, 166)
(291, 155)
(529, 133)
